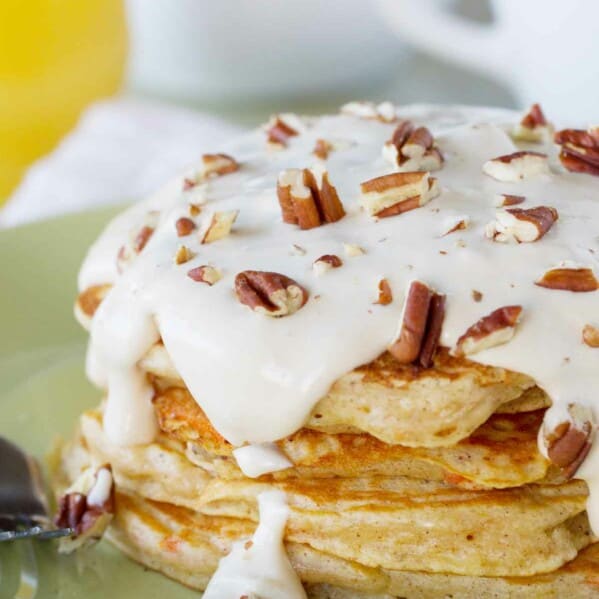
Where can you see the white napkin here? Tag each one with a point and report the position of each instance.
(121, 150)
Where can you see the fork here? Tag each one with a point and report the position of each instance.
(23, 502)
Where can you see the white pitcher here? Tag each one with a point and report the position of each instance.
(546, 50)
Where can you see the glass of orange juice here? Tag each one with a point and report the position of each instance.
(56, 56)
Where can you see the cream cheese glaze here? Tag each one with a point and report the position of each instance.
(259, 568)
(257, 378)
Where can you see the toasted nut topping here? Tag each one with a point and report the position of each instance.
(89, 300)
(352, 250)
(517, 166)
(142, 238)
(412, 149)
(521, 225)
(397, 193)
(385, 293)
(590, 335)
(325, 263)
(194, 209)
(87, 507)
(570, 441)
(184, 226)
(216, 165)
(421, 323)
(384, 112)
(322, 149)
(533, 127)
(218, 225)
(205, 274)
(269, 293)
(504, 200)
(189, 184)
(307, 198)
(280, 128)
(495, 328)
(579, 150)
(477, 296)
(183, 254)
(569, 278)
(459, 223)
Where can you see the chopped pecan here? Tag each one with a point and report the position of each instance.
(184, 226)
(517, 166)
(384, 112)
(216, 165)
(322, 149)
(495, 328)
(86, 508)
(505, 199)
(458, 223)
(281, 128)
(579, 150)
(412, 149)
(352, 250)
(326, 263)
(307, 198)
(397, 193)
(183, 254)
(521, 225)
(570, 441)
(533, 127)
(270, 293)
(569, 278)
(218, 225)
(421, 323)
(590, 335)
(205, 274)
(385, 293)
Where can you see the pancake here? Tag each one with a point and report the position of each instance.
(503, 452)
(344, 517)
(187, 546)
(396, 403)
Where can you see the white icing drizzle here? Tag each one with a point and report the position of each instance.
(259, 568)
(260, 458)
(257, 378)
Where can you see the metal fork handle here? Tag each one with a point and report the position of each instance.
(37, 532)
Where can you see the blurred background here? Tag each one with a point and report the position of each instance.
(160, 81)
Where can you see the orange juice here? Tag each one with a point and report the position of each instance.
(56, 56)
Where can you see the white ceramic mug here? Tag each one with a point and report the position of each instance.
(238, 50)
(546, 50)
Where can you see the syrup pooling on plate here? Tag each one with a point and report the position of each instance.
(257, 378)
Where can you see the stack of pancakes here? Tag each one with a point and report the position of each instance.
(406, 482)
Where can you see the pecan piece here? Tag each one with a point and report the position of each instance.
(517, 166)
(280, 129)
(569, 442)
(269, 293)
(421, 324)
(216, 165)
(533, 127)
(322, 149)
(385, 293)
(307, 198)
(184, 226)
(579, 150)
(505, 199)
(521, 225)
(569, 278)
(590, 335)
(396, 193)
(326, 263)
(495, 328)
(218, 225)
(87, 508)
(412, 149)
(384, 112)
(205, 274)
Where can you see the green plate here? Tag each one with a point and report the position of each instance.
(42, 391)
